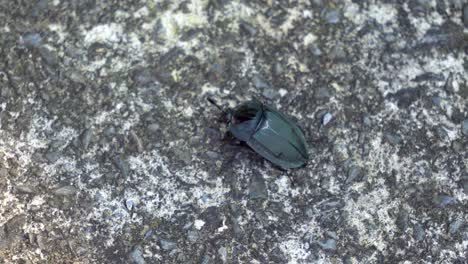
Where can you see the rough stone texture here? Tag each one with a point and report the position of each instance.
(110, 153)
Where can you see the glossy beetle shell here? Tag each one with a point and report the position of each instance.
(270, 133)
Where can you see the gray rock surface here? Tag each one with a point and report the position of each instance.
(110, 152)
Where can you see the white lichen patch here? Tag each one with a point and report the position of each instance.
(106, 33)
(383, 13)
(372, 209)
(295, 249)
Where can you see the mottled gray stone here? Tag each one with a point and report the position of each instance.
(157, 182)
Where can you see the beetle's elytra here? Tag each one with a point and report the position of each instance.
(268, 132)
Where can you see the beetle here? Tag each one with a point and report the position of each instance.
(268, 132)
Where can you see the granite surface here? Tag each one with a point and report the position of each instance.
(110, 152)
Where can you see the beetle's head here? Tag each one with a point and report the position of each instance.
(244, 113)
(245, 118)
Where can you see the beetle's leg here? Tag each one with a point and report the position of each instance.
(291, 179)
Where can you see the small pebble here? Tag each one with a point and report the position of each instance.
(52, 157)
(137, 141)
(353, 173)
(212, 155)
(148, 234)
(260, 83)
(153, 127)
(85, 138)
(315, 50)
(465, 127)
(444, 200)
(223, 254)
(121, 165)
(167, 244)
(329, 244)
(31, 40)
(247, 28)
(465, 15)
(332, 16)
(337, 53)
(49, 56)
(129, 204)
(270, 93)
(109, 131)
(455, 226)
(66, 191)
(3, 173)
(418, 232)
(326, 118)
(28, 189)
(257, 188)
(323, 93)
(136, 256)
(392, 138)
(192, 235)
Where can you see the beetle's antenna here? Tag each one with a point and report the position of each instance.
(213, 102)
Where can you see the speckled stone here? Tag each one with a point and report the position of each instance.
(110, 152)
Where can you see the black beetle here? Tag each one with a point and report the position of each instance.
(268, 132)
